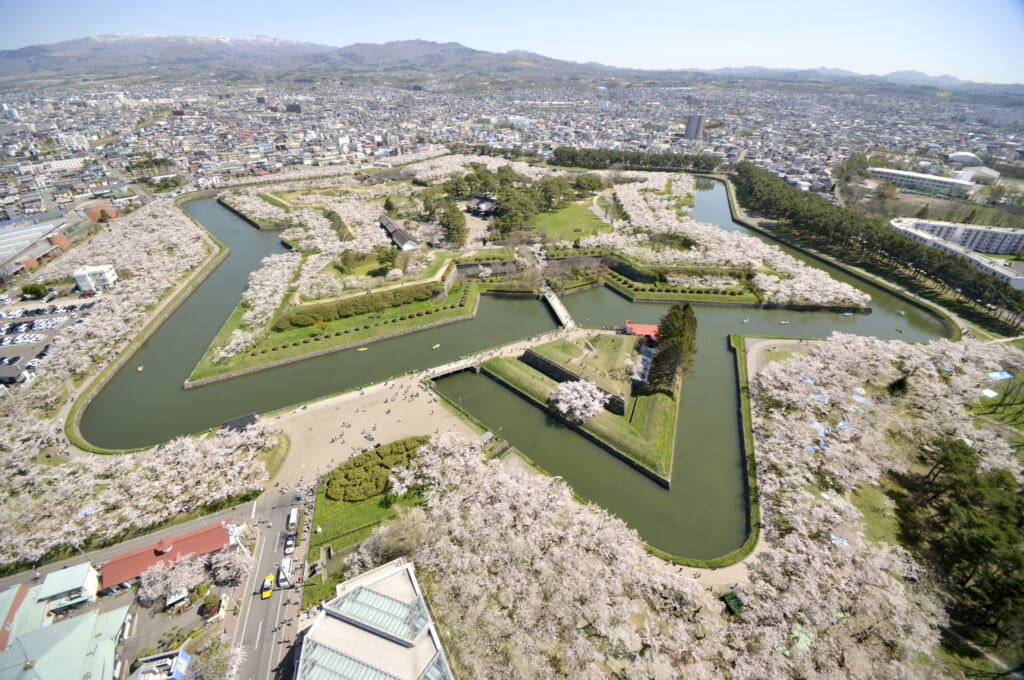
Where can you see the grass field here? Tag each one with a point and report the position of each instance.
(342, 525)
(599, 359)
(275, 201)
(781, 354)
(608, 427)
(490, 255)
(570, 223)
(684, 295)
(880, 521)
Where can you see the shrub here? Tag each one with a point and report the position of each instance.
(305, 341)
(296, 343)
(366, 475)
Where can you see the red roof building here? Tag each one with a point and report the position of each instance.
(131, 565)
(648, 329)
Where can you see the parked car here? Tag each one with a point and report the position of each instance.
(289, 544)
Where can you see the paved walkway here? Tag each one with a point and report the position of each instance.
(326, 433)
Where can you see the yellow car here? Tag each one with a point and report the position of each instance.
(268, 587)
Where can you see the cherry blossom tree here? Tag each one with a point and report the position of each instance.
(579, 400)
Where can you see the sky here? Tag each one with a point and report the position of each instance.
(981, 40)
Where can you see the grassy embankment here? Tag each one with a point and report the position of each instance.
(296, 341)
(490, 255)
(647, 440)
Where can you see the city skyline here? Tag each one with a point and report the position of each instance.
(872, 38)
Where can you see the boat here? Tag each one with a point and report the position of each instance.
(783, 323)
(902, 313)
(898, 329)
(746, 321)
(847, 313)
(436, 346)
(362, 349)
(139, 369)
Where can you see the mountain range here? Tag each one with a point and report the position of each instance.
(111, 57)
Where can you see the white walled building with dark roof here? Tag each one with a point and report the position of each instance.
(377, 628)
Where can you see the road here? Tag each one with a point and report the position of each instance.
(259, 628)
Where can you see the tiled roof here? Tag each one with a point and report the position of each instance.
(132, 564)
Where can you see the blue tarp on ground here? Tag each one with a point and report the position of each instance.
(859, 399)
(820, 397)
(991, 394)
(840, 541)
(1000, 375)
(807, 380)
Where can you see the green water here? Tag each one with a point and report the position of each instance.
(702, 516)
(142, 409)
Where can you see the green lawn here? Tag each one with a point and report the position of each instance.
(651, 292)
(615, 430)
(599, 359)
(570, 223)
(274, 457)
(296, 341)
(342, 525)
(275, 201)
(490, 255)
(781, 354)
(880, 521)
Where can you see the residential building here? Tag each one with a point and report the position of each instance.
(92, 279)
(924, 183)
(376, 628)
(977, 237)
(166, 666)
(83, 647)
(69, 587)
(995, 267)
(694, 126)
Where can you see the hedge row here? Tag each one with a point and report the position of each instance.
(360, 304)
(366, 475)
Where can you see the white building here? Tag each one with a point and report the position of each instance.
(925, 184)
(377, 628)
(977, 237)
(92, 279)
(74, 141)
(988, 265)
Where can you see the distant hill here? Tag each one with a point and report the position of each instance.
(112, 57)
(127, 55)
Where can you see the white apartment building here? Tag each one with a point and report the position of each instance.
(977, 237)
(988, 265)
(74, 141)
(923, 183)
(92, 279)
(51, 166)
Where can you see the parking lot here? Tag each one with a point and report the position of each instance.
(28, 329)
